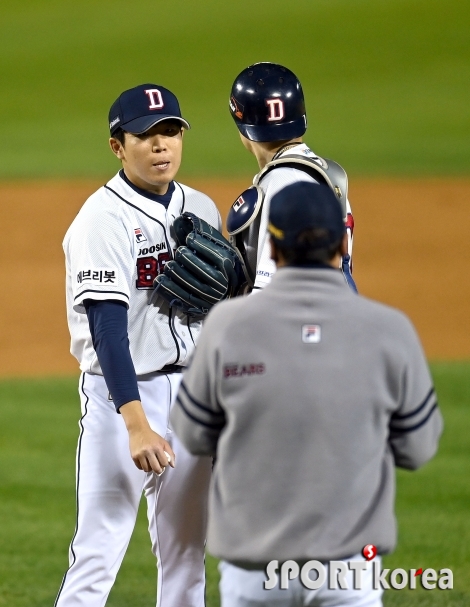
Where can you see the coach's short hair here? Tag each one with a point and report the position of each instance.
(306, 223)
(310, 248)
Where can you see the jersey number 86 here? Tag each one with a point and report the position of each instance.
(148, 268)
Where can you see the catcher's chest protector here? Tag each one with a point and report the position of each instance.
(244, 215)
(321, 169)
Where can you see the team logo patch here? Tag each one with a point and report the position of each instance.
(311, 334)
(139, 235)
(236, 107)
(276, 109)
(155, 98)
(238, 203)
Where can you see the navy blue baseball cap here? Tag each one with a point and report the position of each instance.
(138, 109)
(302, 206)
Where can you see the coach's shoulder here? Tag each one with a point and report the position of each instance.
(223, 314)
(392, 323)
(380, 309)
(229, 308)
(227, 318)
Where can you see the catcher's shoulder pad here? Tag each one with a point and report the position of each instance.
(324, 169)
(244, 210)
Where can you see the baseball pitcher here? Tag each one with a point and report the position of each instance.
(132, 342)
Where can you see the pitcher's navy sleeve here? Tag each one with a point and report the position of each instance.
(108, 328)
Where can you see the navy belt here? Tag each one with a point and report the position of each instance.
(171, 369)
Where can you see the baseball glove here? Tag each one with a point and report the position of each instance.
(205, 270)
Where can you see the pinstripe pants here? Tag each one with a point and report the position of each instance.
(109, 489)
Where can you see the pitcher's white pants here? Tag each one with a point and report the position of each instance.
(109, 489)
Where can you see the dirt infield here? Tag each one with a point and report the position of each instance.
(409, 251)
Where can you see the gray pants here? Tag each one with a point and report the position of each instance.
(245, 588)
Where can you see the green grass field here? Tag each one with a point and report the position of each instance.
(38, 432)
(386, 81)
(386, 84)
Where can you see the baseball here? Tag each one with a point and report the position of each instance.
(169, 459)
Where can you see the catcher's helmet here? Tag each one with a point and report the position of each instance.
(267, 103)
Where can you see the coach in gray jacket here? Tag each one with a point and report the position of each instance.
(309, 395)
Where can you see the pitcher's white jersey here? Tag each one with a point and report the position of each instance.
(116, 246)
(271, 183)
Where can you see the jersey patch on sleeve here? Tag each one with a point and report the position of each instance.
(97, 276)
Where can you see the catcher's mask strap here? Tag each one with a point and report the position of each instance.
(347, 272)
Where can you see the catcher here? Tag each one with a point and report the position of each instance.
(268, 107)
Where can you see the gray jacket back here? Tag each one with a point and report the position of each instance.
(309, 395)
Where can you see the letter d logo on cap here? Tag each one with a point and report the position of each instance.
(155, 97)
